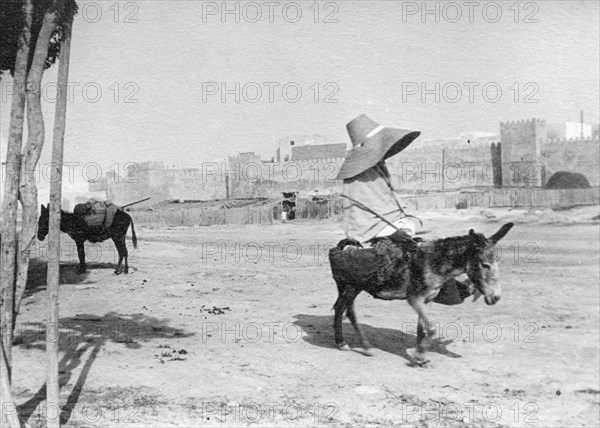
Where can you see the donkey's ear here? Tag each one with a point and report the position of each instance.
(472, 233)
(501, 233)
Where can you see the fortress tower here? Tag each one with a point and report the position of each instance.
(521, 152)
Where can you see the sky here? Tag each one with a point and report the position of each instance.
(161, 67)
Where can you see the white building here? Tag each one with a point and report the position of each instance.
(578, 130)
(570, 130)
(286, 144)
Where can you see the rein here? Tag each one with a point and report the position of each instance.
(382, 172)
(369, 210)
(385, 175)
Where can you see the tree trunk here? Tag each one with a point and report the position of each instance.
(31, 155)
(7, 403)
(52, 331)
(8, 224)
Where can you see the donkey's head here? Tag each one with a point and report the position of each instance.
(43, 223)
(482, 264)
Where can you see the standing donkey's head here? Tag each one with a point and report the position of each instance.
(482, 264)
(43, 223)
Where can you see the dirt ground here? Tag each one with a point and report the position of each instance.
(232, 326)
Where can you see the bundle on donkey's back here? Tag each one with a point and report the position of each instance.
(401, 267)
(97, 213)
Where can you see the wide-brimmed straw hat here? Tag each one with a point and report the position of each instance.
(372, 143)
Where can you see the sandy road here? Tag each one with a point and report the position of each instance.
(231, 326)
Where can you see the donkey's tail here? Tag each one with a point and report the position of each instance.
(133, 237)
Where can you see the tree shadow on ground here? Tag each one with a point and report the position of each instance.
(81, 338)
(319, 332)
(68, 274)
(38, 271)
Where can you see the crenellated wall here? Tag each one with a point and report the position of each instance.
(424, 166)
(521, 151)
(139, 184)
(524, 157)
(246, 177)
(576, 155)
(270, 179)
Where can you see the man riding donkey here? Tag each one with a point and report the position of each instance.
(367, 183)
(372, 209)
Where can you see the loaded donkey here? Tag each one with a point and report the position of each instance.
(94, 221)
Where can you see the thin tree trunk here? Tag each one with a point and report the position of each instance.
(7, 402)
(58, 136)
(8, 225)
(33, 149)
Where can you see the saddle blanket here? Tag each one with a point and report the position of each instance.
(97, 213)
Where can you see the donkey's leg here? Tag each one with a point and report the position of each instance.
(422, 343)
(418, 304)
(122, 250)
(425, 329)
(126, 269)
(339, 307)
(422, 336)
(363, 338)
(125, 255)
(81, 255)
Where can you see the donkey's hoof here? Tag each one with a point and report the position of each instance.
(366, 351)
(117, 272)
(344, 346)
(424, 363)
(420, 359)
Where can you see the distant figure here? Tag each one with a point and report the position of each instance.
(284, 216)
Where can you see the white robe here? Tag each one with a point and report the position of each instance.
(371, 189)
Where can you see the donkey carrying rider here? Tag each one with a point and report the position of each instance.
(369, 191)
